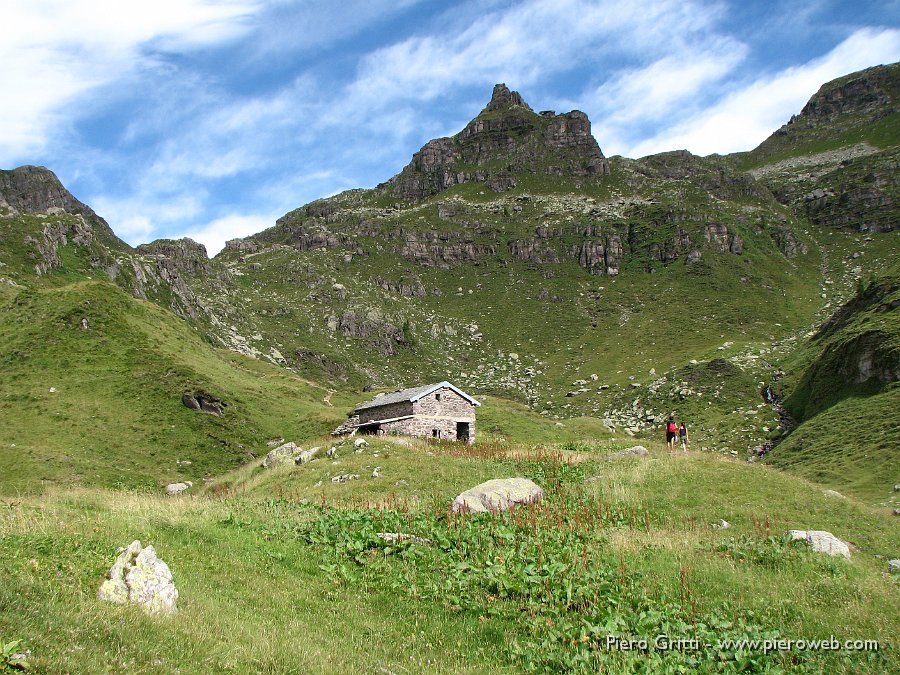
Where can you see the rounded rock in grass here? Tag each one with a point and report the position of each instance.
(178, 488)
(500, 494)
(283, 454)
(823, 542)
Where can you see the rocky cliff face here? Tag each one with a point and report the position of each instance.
(871, 93)
(182, 255)
(506, 140)
(36, 189)
(853, 184)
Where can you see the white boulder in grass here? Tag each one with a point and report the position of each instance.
(823, 542)
(139, 577)
(499, 494)
(283, 454)
(178, 488)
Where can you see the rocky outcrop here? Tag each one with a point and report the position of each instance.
(177, 256)
(36, 189)
(860, 195)
(601, 256)
(412, 288)
(56, 235)
(445, 254)
(507, 134)
(718, 237)
(532, 250)
(204, 402)
(866, 93)
(139, 577)
(787, 241)
(379, 334)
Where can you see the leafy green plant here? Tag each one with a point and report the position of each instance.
(11, 658)
(544, 572)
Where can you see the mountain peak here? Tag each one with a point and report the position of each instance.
(502, 99)
(36, 189)
(500, 148)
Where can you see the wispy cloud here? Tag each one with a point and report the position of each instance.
(748, 115)
(52, 51)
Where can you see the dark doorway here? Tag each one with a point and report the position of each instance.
(462, 431)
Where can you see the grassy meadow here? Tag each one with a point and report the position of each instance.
(282, 571)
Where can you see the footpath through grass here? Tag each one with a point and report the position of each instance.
(618, 550)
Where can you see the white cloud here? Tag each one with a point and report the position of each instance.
(747, 116)
(653, 91)
(52, 51)
(214, 234)
(522, 44)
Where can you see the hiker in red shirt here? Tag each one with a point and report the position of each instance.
(671, 432)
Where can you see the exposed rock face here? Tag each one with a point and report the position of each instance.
(823, 542)
(185, 256)
(138, 576)
(202, 401)
(502, 98)
(866, 92)
(601, 256)
(445, 255)
(54, 236)
(412, 288)
(36, 189)
(500, 494)
(851, 187)
(532, 250)
(378, 333)
(506, 133)
(718, 237)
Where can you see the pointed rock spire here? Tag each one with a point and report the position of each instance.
(503, 98)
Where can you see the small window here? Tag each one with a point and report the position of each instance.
(435, 433)
(437, 397)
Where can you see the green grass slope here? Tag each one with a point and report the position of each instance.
(845, 395)
(621, 548)
(91, 382)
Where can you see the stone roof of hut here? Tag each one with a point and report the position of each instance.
(413, 394)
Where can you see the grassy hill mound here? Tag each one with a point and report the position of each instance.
(617, 549)
(92, 385)
(846, 394)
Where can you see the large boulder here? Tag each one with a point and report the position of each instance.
(636, 451)
(499, 494)
(307, 456)
(283, 454)
(178, 488)
(823, 542)
(139, 577)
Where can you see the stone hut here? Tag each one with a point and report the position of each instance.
(433, 411)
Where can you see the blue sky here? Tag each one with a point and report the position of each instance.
(212, 118)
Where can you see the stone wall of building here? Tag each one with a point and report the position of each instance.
(450, 404)
(424, 427)
(435, 416)
(386, 412)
